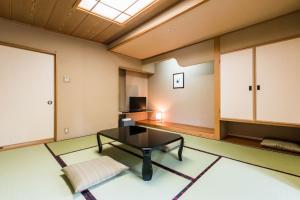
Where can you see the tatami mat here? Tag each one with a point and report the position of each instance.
(193, 162)
(233, 180)
(130, 185)
(75, 144)
(31, 173)
(270, 159)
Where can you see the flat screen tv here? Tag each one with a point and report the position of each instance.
(137, 104)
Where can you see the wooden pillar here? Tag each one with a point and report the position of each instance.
(217, 130)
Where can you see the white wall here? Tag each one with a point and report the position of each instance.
(136, 86)
(89, 102)
(193, 105)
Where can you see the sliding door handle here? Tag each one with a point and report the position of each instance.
(250, 87)
(49, 102)
(258, 87)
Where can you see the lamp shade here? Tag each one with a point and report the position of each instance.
(158, 116)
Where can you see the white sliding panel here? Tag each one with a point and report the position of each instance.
(278, 74)
(236, 78)
(26, 86)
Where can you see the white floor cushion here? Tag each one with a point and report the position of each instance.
(86, 174)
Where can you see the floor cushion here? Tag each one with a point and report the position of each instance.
(281, 145)
(86, 174)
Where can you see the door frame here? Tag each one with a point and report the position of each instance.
(8, 44)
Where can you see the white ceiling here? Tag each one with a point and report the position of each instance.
(209, 19)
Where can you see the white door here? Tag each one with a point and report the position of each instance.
(26, 86)
(278, 74)
(237, 85)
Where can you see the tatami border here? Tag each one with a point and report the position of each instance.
(275, 170)
(86, 193)
(197, 178)
(155, 163)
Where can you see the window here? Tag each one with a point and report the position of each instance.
(118, 11)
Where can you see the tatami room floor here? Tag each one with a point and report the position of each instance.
(211, 170)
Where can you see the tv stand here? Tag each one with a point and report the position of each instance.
(137, 116)
(128, 112)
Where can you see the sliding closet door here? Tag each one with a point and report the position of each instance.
(278, 74)
(27, 94)
(236, 85)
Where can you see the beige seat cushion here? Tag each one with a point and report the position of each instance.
(86, 174)
(282, 145)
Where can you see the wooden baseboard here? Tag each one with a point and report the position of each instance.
(26, 144)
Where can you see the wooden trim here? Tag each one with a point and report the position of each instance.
(261, 122)
(217, 102)
(265, 43)
(26, 144)
(55, 76)
(136, 70)
(254, 82)
(247, 47)
(26, 48)
(244, 136)
(150, 29)
(55, 99)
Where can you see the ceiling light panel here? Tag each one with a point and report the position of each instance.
(120, 5)
(122, 18)
(87, 4)
(106, 11)
(118, 11)
(138, 6)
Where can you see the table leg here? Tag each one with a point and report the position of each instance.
(147, 165)
(180, 149)
(99, 143)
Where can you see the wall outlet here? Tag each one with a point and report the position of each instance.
(66, 130)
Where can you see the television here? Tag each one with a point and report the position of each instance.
(137, 104)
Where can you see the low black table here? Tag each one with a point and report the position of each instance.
(143, 139)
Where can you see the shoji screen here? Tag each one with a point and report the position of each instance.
(27, 93)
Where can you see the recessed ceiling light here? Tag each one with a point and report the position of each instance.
(118, 11)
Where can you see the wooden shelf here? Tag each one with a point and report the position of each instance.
(137, 70)
(147, 111)
(180, 128)
(261, 122)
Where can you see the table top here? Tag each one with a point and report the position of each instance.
(140, 137)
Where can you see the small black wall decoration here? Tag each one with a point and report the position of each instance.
(178, 80)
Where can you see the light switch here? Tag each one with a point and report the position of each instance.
(67, 79)
(66, 130)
